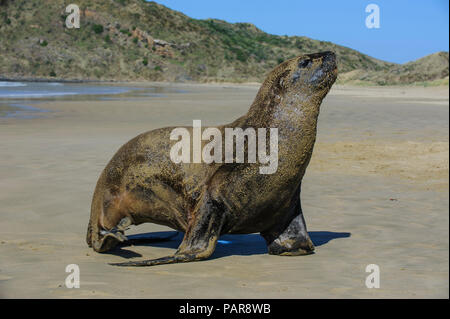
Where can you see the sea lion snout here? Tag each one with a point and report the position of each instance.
(318, 70)
(329, 63)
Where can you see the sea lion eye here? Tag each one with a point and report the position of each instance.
(304, 63)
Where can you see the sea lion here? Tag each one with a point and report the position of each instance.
(141, 184)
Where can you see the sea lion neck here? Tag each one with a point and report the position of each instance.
(273, 107)
(291, 94)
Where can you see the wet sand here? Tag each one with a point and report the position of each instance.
(376, 192)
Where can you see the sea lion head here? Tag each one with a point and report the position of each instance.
(318, 69)
(304, 80)
(313, 74)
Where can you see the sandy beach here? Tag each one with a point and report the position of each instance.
(376, 192)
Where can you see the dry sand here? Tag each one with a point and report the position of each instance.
(376, 192)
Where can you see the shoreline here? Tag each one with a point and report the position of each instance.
(195, 83)
(405, 95)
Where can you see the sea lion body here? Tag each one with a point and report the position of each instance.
(142, 184)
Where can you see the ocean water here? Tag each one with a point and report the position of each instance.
(30, 90)
(21, 99)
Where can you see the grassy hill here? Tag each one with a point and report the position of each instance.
(430, 70)
(138, 40)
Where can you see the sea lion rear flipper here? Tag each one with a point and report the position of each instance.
(199, 241)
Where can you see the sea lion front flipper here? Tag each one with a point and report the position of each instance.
(291, 239)
(200, 239)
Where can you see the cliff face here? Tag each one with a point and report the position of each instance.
(138, 40)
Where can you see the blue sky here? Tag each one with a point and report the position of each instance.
(408, 29)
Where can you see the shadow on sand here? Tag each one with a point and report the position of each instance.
(243, 245)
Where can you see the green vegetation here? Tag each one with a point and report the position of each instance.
(201, 50)
(126, 31)
(98, 28)
(239, 41)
